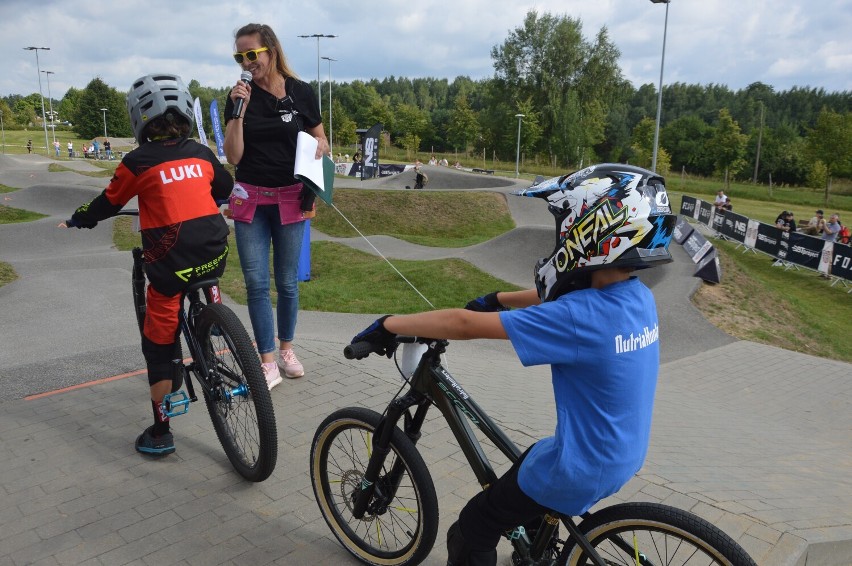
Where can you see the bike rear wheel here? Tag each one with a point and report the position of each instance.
(399, 527)
(651, 533)
(237, 396)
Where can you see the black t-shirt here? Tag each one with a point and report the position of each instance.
(270, 127)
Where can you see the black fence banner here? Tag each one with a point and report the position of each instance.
(696, 246)
(705, 212)
(735, 227)
(841, 260)
(718, 222)
(371, 152)
(804, 250)
(682, 230)
(688, 206)
(768, 239)
(390, 169)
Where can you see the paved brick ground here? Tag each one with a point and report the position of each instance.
(764, 456)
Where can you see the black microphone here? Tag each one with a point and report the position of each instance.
(245, 76)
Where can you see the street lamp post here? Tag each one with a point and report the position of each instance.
(319, 87)
(518, 150)
(330, 126)
(660, 93)
(50, 102)
(38, 68)
(104, 110)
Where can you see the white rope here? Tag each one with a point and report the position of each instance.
(410, 284)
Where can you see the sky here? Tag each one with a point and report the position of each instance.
(782, 43)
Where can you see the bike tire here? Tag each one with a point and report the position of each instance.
(245, 424)
(139, 285)
(401, 534)
(658, 534)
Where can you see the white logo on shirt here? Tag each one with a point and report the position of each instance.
(181, 173)
(636, 341)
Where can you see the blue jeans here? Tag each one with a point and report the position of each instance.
(253, 241)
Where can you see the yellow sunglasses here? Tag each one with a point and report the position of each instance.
(251, 55)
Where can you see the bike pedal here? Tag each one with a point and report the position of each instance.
(175, 404)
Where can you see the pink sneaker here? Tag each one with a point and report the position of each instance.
(291, 366)
(271, 373)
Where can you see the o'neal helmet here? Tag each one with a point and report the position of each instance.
(152, 95)
(607, 215)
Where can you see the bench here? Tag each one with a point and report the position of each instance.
(485, 171)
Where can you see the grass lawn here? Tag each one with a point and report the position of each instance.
(9, 215)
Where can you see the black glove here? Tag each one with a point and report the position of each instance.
(77, 222)
(486, 303)
(377, 335)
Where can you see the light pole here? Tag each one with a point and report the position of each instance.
(660, 94)
(518, 150)
(319, 87)
(104, 110)
(38, 68)
(50, 101)
(330, 126)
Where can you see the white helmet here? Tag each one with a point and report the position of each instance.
(607, 215)
(152, 95)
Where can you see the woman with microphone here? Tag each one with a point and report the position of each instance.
(264, 113)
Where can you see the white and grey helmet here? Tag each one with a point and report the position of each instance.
(152, 96)
(607, 215)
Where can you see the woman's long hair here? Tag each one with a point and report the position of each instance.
(270, 40)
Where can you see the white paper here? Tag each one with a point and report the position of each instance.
(307, 165)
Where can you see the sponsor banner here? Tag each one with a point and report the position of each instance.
(688, 206)
(803, 249)
(768, 239)
(354, 169)
(371, 152)
(217, 128)
(682, 230)
(736, 226)
(390, 169)
(751, 233)
(199, 119)
(697, 246)
(841, 260)
(705, 212)
(718, 222)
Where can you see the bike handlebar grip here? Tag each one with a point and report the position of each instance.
(358, 350)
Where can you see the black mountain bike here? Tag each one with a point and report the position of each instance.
(226, 367)
(376, 494)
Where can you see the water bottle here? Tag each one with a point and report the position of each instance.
(411, 354)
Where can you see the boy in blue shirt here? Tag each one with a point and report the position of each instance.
(595, 325)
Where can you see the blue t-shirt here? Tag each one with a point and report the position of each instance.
(602, 345)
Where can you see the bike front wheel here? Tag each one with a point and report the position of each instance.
(651, 533)
(236, 393)
(401, 522)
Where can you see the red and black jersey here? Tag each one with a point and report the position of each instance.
(184, 236)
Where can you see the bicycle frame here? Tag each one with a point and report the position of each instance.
(186, 322)
(431, 384)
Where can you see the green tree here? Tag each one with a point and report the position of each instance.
(727, 147)
(89, 119)
(643, 147)
(686, 137)
(830, 141)
(68, 105)
(463, 128)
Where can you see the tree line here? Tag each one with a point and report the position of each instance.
(577, 108)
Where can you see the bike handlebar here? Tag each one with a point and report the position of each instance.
(360, 350)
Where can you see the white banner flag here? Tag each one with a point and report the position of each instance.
(196, 108)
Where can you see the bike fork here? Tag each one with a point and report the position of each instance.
(381, 448)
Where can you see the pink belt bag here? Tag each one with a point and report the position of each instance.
(244, 203)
